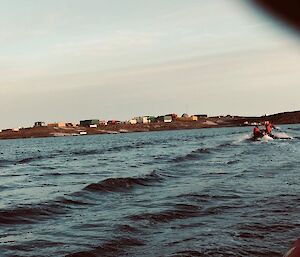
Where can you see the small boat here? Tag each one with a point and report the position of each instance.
(264, 137)
(267, 137)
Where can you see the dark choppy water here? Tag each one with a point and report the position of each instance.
(203, 192)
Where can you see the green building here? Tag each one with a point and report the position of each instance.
(88, 123)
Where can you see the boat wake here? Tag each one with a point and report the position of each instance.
(282, 135)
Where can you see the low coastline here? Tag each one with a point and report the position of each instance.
(211, 122)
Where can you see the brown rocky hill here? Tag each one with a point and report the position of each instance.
(285, 117)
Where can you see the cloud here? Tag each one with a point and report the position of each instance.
(119, 41)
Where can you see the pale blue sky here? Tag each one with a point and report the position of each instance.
(66, 60)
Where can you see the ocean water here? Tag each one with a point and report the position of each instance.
(206, 192)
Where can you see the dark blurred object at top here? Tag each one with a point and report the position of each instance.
(288, 10)
(294, 251)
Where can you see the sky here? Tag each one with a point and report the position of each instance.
(67, 60)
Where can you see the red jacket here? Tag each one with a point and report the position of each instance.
(269, 128)
(256, 131)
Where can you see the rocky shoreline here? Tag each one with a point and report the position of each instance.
(212, 122)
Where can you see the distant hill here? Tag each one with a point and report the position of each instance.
(278, 118)
(284, 117)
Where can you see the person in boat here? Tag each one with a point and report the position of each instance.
(269, 128)
(256, 132)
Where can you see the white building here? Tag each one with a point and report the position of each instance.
(132, 121)
(142, 119)
(168, 119)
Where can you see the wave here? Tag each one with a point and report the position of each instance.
(27, 160)
(120, 148)
(201, 150)
(67, 201)
(218, 209)
(257, 227)
(225, 145)
(189, 253)
(194, 155)
(228, 251)
(31, 213)
(231, 162)
(124, 147)
(183, 240)
(34, 245)
(127, 229)
(295, 129)
(124, 184)
(182, 211)
(83, 152)
(141, 144)
(188, 157)
(114, 149)
(201, 153)
(35, 212)
(28, 214)
(4, 163)
(57, 174)
(201, 136)
(262, 253)
(206, 197)
(111, 248)
(251, 235)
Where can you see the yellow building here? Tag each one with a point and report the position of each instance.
(57, 125)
